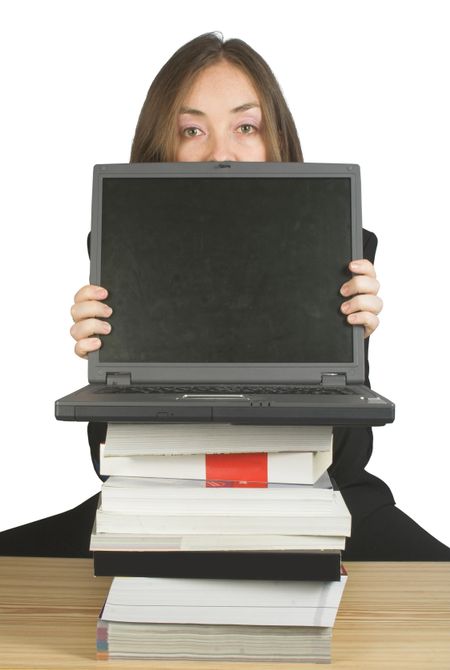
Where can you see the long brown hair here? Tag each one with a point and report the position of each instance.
(155, 138)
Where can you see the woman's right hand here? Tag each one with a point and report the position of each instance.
(88, 313)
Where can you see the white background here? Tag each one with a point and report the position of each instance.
(367, 82)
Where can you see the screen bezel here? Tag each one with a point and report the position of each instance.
(226, 372)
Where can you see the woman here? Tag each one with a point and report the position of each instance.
(217, 101)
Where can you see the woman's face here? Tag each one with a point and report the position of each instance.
(220, 118)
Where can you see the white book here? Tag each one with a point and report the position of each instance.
(136, 439)
(225, 602)
(146, 542)
(283, 467)
(132, 495)
(302, 517)
(176, 487)
(149, 488)
(238, 506)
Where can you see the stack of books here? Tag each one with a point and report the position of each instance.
(224, 540)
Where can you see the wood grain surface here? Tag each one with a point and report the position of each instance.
(393, 615)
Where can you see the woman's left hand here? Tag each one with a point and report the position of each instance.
(363, 305)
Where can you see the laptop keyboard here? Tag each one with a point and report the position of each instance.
(216, 389)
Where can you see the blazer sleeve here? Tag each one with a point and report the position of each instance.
(96, 430)
(370, 243)
(352, 446)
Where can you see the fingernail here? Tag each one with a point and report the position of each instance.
(108, 311)
(354, 265)
(94, 342)
(101, 293)
(352, 318)
(344, 290)
(106, 328)
(345, 306)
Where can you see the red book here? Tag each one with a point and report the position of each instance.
(236, 470)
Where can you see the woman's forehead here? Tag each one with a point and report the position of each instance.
(222, 83)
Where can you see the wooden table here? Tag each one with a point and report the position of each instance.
(393, 615)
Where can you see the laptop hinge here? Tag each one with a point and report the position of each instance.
(334, 379)
(118, 379)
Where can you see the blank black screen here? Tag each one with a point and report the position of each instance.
(226, 270)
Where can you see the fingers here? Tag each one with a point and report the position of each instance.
(367, 319)
(360, 284)
(87, 303)
(82, 331)
(89, 309)
(88, 327)
(88, 314)
(362, 303)
(85, 346)
(362, 266)
(90, 292)
(364, 281)
(362, 310)
(364, 306)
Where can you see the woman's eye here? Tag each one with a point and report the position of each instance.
(247, 128)
(191, 132)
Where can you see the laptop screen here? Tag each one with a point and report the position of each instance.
(228, 270)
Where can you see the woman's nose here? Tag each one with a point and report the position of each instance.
(221, 149)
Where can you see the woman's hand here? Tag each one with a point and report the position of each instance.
(87, 313)
(364, 304)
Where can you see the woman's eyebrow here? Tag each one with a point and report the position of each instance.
(191, 110)
(244, 107)
(240, 108)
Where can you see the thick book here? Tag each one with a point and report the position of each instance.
(135, 439)
(236, 469)
(145, 542)
(289, 517)
(223, 601)
(214, 643)
(282, 565)
(139, 495)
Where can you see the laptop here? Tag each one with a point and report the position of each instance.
(224, 282)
